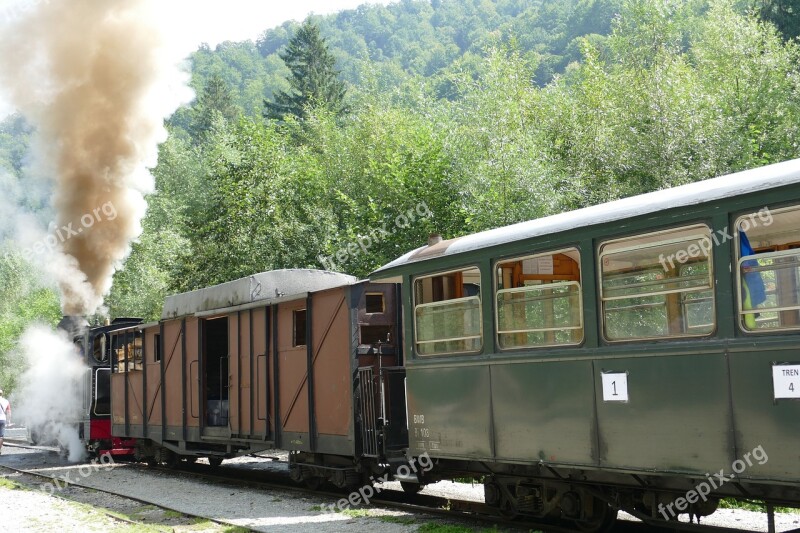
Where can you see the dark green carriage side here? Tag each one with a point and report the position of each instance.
(696, 405)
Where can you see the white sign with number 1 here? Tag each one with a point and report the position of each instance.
(615, 387)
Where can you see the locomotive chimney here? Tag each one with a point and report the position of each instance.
(73, 325)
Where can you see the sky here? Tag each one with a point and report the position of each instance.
(214, 21)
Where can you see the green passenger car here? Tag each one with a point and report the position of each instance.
(642, 354)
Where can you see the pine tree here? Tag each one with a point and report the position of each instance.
(314, 80)
(216, 100)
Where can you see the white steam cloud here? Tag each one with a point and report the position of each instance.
(48, 397)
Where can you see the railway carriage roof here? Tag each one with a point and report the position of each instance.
(266, 288)
(700, 192)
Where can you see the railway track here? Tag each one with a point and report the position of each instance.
(470, 512)
(61, 483)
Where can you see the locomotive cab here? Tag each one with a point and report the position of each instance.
(97, 345)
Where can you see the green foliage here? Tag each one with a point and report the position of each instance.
(495, 142)
(680, 94)
(379, 167)
(260, 208)
(757, 506)
(14, 139)
(314, 80)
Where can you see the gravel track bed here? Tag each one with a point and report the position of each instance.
(256, 509)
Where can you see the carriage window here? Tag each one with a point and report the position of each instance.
(658, 285)
(447, 313)
(99, 350)
(539, 300)
(768, 269)
(127, 348)
(299, 328)
(375, 303)
(157, 348)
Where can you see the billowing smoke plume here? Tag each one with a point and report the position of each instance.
(96, 79)
(46, 398)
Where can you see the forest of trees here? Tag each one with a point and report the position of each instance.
(489, 112)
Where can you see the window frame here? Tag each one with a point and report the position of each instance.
(294, 328)
(600, 253)
(496, 311)
(414, 306)
(740, 311)
(156, 347)
(131, 363)
(366, 303)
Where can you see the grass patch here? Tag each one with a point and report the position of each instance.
(315, 508)
(451, 528)
(444, 528)
(471, 480)
(355, 513)
(169, 513)
(201, 524)
(757, 506)
(138, 514)
(403, 520)
(138, 528)
(6, 483)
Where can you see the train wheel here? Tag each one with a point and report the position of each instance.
(603, 518)
(348, 480)
(411, 488)
(190, 459)
(215, 461)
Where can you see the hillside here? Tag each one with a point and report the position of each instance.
(415, 37)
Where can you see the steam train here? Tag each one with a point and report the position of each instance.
(613, 357)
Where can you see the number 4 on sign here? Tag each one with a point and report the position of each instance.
(786, 380)
(615, 386)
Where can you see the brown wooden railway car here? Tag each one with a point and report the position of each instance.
(288, 359)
